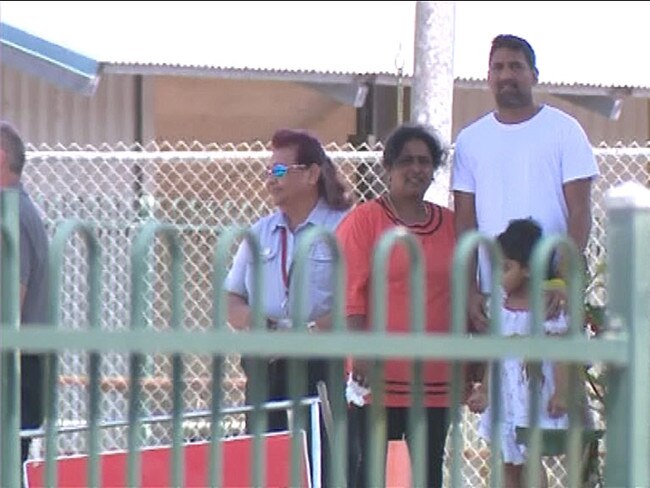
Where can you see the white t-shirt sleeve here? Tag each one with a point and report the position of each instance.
(236, 279)
(578, 159)
(462, 174)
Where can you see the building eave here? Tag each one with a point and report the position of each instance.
(57, 65)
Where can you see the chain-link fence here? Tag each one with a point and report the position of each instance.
(200, 189)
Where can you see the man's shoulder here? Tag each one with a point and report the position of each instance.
(263, 227)
(553, 111)
(481, 124)
(559, 116)
(30, 214)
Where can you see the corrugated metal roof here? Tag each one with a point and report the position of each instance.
(384, 78)
(579, 46)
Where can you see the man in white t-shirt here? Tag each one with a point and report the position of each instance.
(521, 160)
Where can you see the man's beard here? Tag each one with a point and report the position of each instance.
(513, 99)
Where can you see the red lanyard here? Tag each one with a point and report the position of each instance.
(285, 275)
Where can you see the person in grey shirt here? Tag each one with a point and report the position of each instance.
(33, 277)
(305, 187)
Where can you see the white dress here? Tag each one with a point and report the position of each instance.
(515, 388)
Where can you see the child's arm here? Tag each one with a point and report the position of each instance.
(557, 405)
(477, 401)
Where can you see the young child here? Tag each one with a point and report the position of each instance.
(517, 244)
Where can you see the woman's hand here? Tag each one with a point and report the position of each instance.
(478, 399)
(557, 405)
(477, 311)
(360, 371)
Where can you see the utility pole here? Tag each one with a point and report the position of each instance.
(433, 80)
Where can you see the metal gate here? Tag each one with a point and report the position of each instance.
(623, 348)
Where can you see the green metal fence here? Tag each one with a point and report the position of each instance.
(206, 188)
(623, 348)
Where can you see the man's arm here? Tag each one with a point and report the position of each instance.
(464, 212)
(239, 313)
(464, 221)
(577, 194)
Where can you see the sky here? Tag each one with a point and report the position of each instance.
(576, 42)
(585, 41)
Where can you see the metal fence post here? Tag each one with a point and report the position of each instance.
(377, 430)
(139, 258)
(9, 319)
(60, 242)
(628, 287)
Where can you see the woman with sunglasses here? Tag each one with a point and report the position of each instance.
(307, 190)
(411, 156)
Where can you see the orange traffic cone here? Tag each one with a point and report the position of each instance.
(398, 465)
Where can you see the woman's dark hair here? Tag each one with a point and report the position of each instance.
(519, 239)
(309, 150)
(406, 132)
(515, 43)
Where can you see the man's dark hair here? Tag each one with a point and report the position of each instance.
(519, 239)
(515, 43)
(13, 147)
(407, 132)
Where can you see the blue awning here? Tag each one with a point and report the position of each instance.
(55, 64)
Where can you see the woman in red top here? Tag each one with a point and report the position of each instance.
(411, 155)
